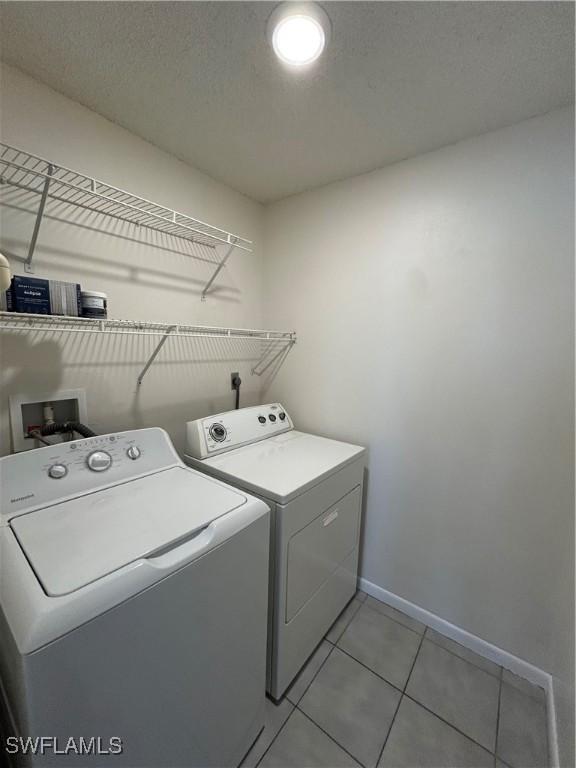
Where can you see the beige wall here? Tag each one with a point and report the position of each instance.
(143, 277)
(433, 302)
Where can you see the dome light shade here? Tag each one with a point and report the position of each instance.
(298, 40)
(298, 33)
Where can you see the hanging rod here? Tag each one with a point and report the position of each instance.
(53, 182)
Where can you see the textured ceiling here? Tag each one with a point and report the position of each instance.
(200, 81)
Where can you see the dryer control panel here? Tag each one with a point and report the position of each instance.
(48, 475)
(225, 431)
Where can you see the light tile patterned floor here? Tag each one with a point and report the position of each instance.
(385, 691)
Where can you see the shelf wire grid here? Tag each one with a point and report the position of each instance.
(16, 321)
(21, 169)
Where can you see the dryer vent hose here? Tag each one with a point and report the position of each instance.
(66, 426)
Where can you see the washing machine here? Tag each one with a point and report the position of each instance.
(133, 602)
(313, 486)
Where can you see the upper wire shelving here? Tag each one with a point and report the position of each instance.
(51, 181)
(275, 343)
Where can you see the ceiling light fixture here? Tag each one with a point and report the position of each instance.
(299, 32)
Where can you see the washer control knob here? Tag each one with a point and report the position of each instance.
(99, 461)
(133, 452)
(58, 471)
(262, 419)
(281, 415)
(272, 417)
(218, 432)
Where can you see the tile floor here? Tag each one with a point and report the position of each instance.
(385, 691)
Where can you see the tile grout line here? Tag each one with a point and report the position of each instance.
(422, 637)
(413, 665)
(375, 610)
(402, 691)
(402, 694)
(350, 620)
(539, 697)
(498, 719)
(439, 645)
(275, 737)
(356, 760)
(335, 645)
(315, 674)
(396, 688)
(294, 706)
(423, 633)
(447, 722)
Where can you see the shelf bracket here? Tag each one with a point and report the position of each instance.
(217, 270)
(260, 368)
(28, 263)
(154, 354)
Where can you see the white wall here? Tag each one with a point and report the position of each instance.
(144, 278)
(433, 302)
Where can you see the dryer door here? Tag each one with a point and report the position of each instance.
(318, 549)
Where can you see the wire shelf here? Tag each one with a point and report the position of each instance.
(16, 321)
(277, 343)
(30, 172)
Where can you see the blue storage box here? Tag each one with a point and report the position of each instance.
(37, 296)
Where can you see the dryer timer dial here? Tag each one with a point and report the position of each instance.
(218, 432)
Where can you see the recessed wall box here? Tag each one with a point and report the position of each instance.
(28, 411)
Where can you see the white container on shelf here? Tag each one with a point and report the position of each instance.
(94, 304)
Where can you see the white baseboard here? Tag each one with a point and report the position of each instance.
(483, 648)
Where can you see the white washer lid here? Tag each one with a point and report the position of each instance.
(284, 466)
(78, 541)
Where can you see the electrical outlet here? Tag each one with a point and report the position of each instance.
(233, 376)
